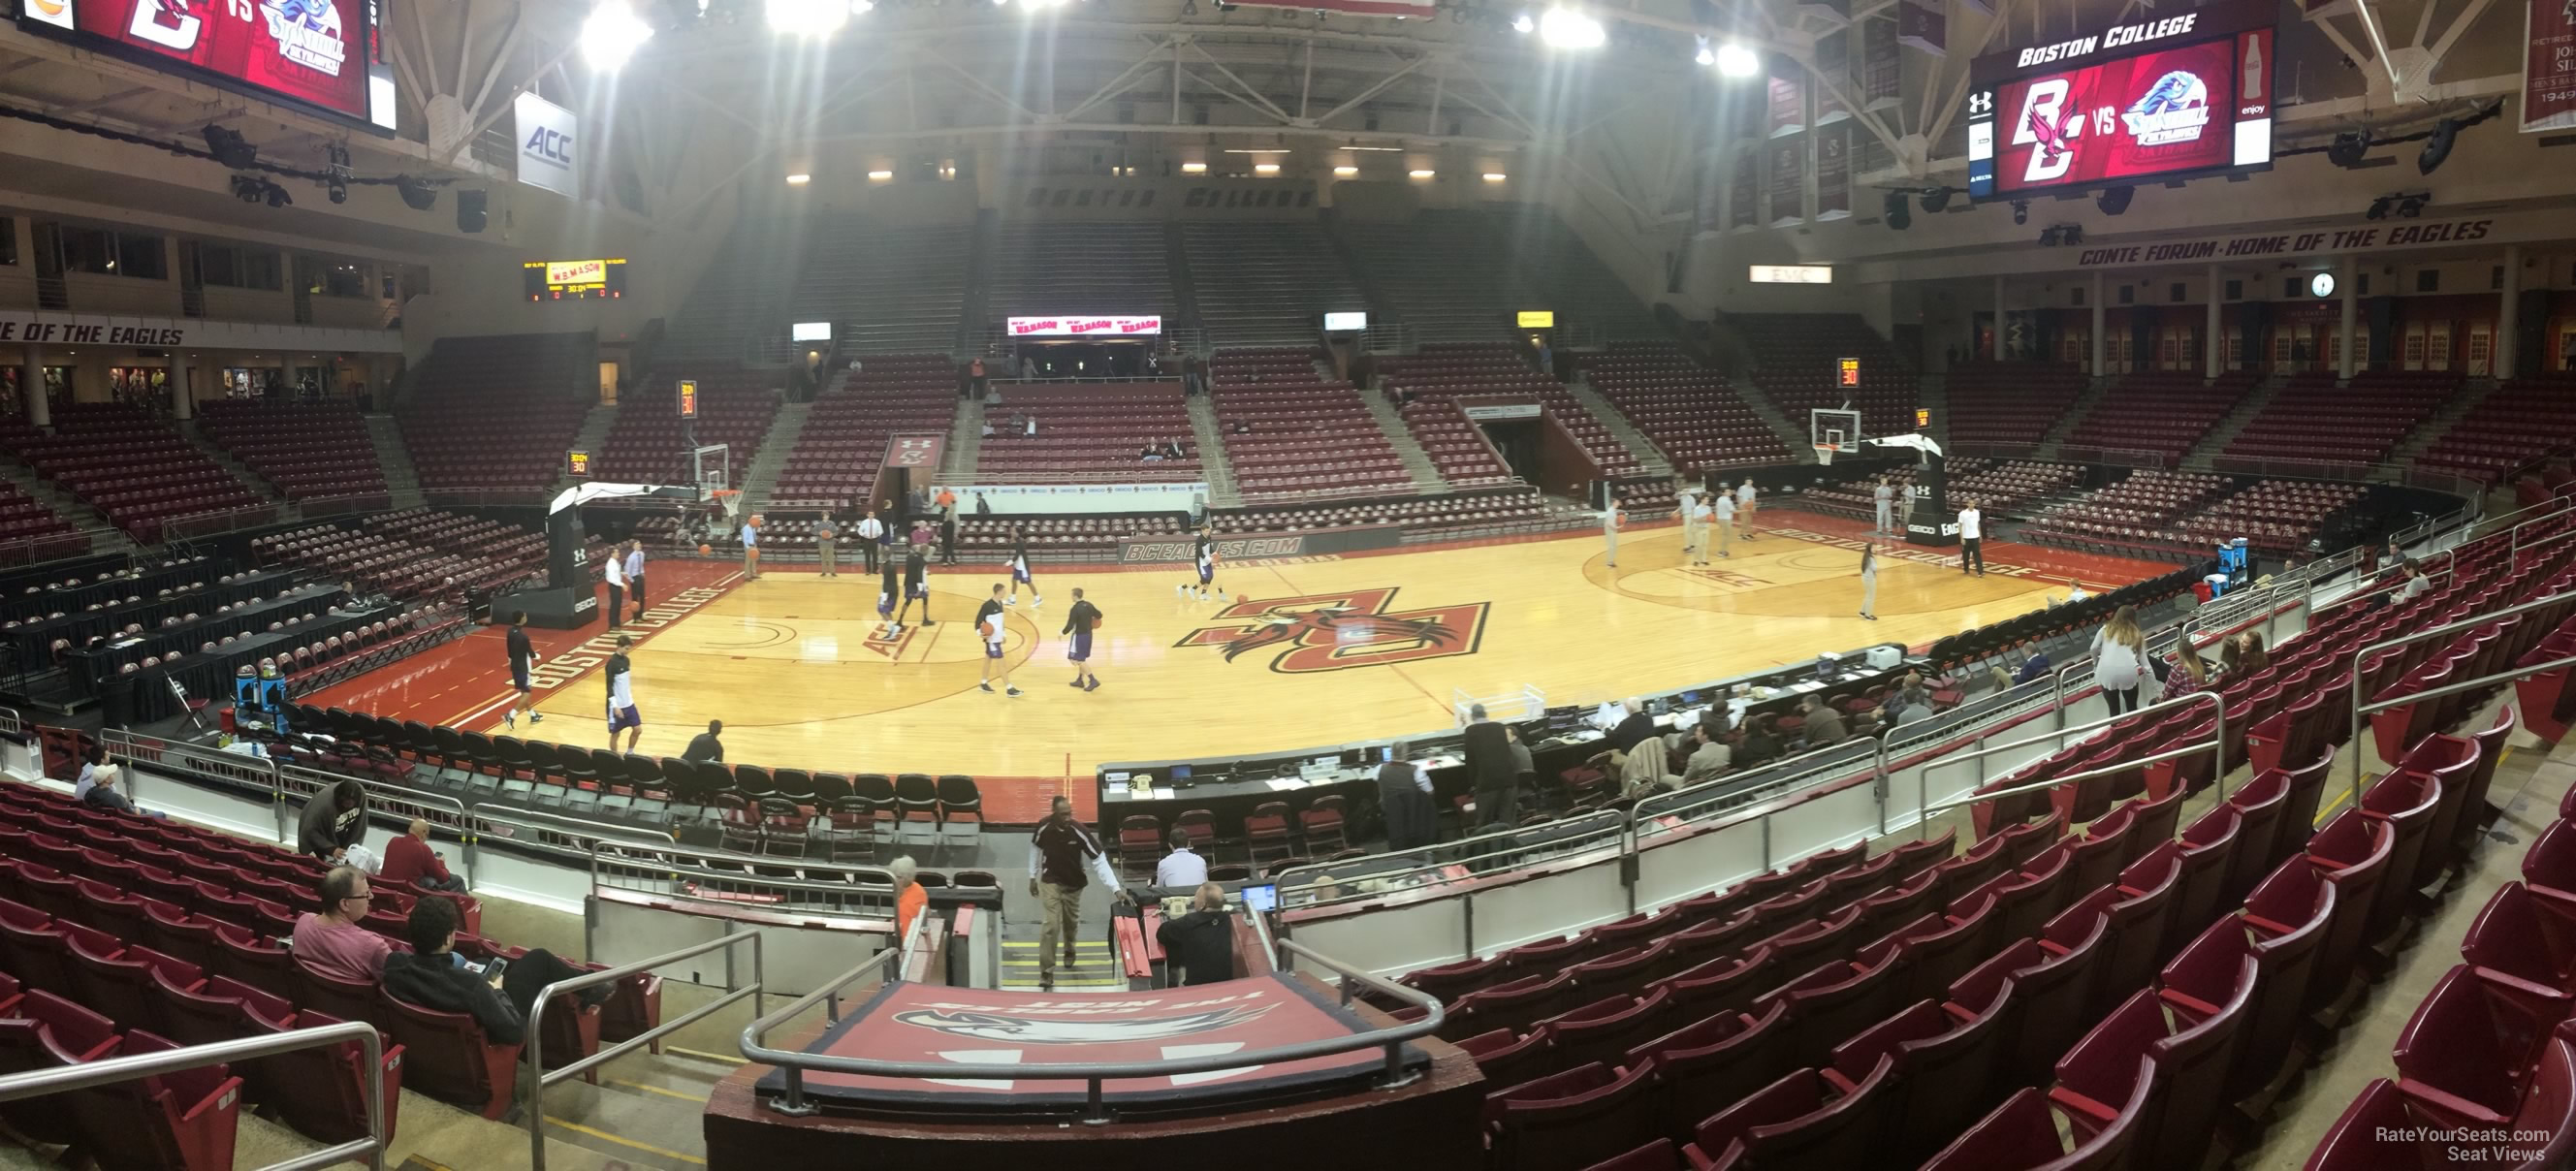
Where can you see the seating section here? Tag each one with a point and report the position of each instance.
(1290, 432)
(305, 452)
(843, 444)
(2155, 416)
(1258, 284)
(2135, 509)
(2345, 427)
(419, 552)
(1443, 277)
(497, 413)
(2275, 516)
(1460, 515)
(2516, 425)
(1689, 413)
(1092, 539)
(1090, 430)
(2009, 404)
(29, 530)
(1999, 486)
(1081, 269)
(1454, 376)
(135, 469)
(2049, 997)
(743, 293)
(2164, 514)
(885, 289)
(173, 932)
(645, 444)
(1795, 357)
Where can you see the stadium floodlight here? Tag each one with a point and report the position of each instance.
(419, 195)
(806, 18)
(2348, 148)
(1523, 23)
(1565, 28)
(1495, 176)
(611, 34)
(1935, 199)
(1706, 55)
(2114, 200)
(1898, 214)
(1737, 61)
(2021, 211)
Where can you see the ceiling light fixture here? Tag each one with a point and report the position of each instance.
(1422, 174)
(1737, 61)
(611, 34)
(1565, 28)
(1346, 172)
(799, 179)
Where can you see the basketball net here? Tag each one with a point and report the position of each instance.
(730, 500)
(1825, 452)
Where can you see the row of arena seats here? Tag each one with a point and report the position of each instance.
(1794, 365)
(134, 468)
(1999, 486)
(1088, 429)
(646, 444)
(112, 922)
(413, 553)
(1431, 515)
(497, 411)
(2515, 425)
(835, 461)
(2084, 994)
(1440, 276)
(1689, 413)
(2010, 403)
(2354, 424)
(2163, 414)
(1294, 438)
(1497, 373)
(317, 452)
(884, 287)
(2159, 514)
(1277, 277)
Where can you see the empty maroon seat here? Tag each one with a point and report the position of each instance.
(1620, 972)
(1508, 1059)
(2405, 802)
(321, 1091)
(2524, 942)
(1516, 1004)
(1724, 984)
(2353, 852)
(1810, 1120)
(2378, 1133)
(2023, 1135)
(2549, 866)
(1708, 1066)
(2189, 1062)
(49, 1031)
(1836, 999)
(2285, 921)
(1574, 1118)
(1605, 1030)
(2466, 1056)
(2258, 808)
(183, 1119)
(1659, 1155)
(1947, 1065)
(449, 1058)
(2207, 849)
(1902, 903)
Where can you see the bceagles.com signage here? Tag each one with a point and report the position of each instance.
(2284, 244)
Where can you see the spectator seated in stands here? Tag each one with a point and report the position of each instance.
(2036, 666)
(331, 942)
(434, 977)
(705, 746)
(1183, 866)
(1641, 770)
(333, 821)
(410, 862)
(1634, 728)
(1824, 725)
(100, 792)
(1200, 943)
(909, 897)
(1709, 754)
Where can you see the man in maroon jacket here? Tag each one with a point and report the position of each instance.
(409, 863)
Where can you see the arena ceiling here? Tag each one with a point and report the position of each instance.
(717, 99)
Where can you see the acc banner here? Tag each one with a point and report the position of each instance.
(1744, 187)
(1924, 26)
(1833, 172)
(2549, 66)
(1880, 72)
(1788, 179)
(547, 134)
(1788, 104)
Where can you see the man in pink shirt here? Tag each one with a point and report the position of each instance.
(331, 941)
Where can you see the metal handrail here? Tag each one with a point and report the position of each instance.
(1923, 777)
(1092, 1073)
(2358, 707)
(1556, 838)
(2213, 746)
(539, 1077)
(12, 723)
(109, 1071)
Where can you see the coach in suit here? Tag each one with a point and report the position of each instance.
(1493, 771)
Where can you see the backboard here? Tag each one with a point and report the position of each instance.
(1833, 430)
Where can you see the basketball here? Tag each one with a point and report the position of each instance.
(703, 550)
(989, 627)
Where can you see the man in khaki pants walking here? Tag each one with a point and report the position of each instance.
(1059, 853)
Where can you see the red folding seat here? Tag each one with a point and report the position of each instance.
(2353, 851)
(1624, 972)
(1810, 1120)
(2467, 1056)
(1508, 1059)
(254, 961)
(1917, 894)
(2189, 1061)
(2285, 921)
(2475, 813)
(1572, 1119)
(1837, 999)
(1515, 1004)
(2406, 803)
(1947, 1061)
(2378, 1133)
(184, 1119)
(2103, 851)
(2050, 985)
(450, 1059)
(1797, 947)
(49, 1031)
(1937, 948)
(2207, 850)
(1707, 1066)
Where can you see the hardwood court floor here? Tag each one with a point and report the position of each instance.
(792, 665)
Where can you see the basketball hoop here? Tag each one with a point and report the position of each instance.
(1825, 452)
(729, 500)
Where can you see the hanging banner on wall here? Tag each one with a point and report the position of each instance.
(1708, 210)
(1788, 179)
(1084, 326)
(1880, 73)
(2549, 66)
(1923, 26)
(1743, 188)
(1833, 172)
(1788, 104)
(546, 136)
(1833, 69)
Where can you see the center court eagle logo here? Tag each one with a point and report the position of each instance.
(1336, 632)
(998, 1026)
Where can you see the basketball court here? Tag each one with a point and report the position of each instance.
(1320, 651)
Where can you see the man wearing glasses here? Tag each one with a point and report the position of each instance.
(331, 941)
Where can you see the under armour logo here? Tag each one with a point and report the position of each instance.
(1981, 103)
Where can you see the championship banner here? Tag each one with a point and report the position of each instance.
(1743, 188)
(1833, 68)
(1880, 71)
(1085, 326)
(1788, 179)
(1923, 26)
(2549, 66)
(1833, 172)
(1788, 97)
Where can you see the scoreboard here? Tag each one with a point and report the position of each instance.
(573, 280)
(2171, 97)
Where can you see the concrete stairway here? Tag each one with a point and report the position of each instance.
(2472, 392)
(402, 480)
(1793, 433)
(965, 443)
(593, 434)
(973, 314)
(1648, 457)
(1222, 492)
(1176, 260)
(258, 484)
(1426, 477)
(103, 539)
(760, 480)
(2202, 456)
(2094, 392)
